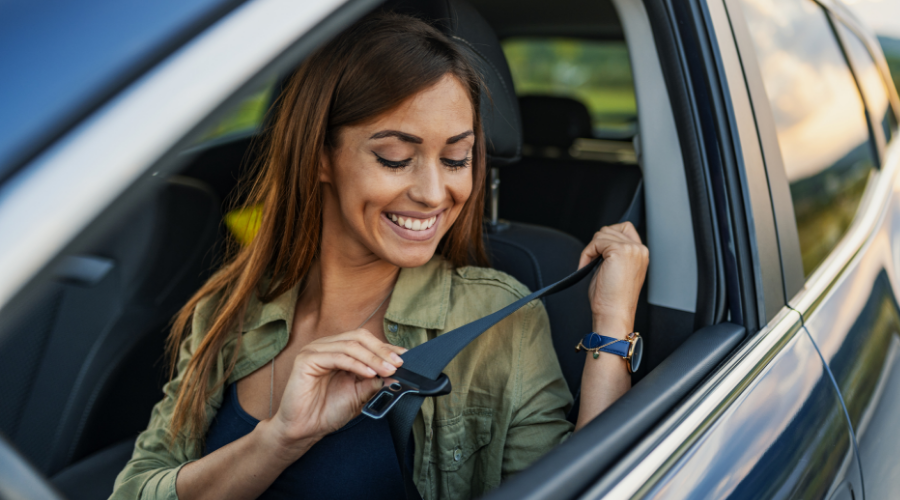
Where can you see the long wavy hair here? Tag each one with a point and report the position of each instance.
(366, 71)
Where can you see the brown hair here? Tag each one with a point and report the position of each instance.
(368, 70)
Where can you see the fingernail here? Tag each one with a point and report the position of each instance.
(405, 350)
(396, 359)
(371, 371)
(389, 367)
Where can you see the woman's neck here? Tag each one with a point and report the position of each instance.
(342, 290)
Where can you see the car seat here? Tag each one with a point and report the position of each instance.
(578, 194)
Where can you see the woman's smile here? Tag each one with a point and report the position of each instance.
(415, 226)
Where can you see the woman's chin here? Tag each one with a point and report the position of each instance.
(407, 253)
(410, 257)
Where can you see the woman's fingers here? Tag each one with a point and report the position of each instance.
(358, 351)
(607, 237)
(628, 230)
(385, 351)
(339, 361)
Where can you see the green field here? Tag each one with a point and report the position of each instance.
(593, 72)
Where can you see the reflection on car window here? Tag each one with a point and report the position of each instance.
(246, 117)
(871, 82)
(819, 118)
(596, 73)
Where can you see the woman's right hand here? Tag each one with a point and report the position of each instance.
(332, 378)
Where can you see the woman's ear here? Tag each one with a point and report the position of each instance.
(325, 165)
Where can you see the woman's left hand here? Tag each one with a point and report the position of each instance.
(616, 285)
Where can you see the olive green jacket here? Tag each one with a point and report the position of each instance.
(507, 408)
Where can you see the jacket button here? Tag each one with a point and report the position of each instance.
(457, 454)
(393, 327)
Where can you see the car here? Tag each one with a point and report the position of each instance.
(756, 139)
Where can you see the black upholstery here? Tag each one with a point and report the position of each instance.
(499, 109)
(538, 256)
(573, 195)
(93, 477)
(553, 121)
(87, 359)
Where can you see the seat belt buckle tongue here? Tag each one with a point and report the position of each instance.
(404, 382)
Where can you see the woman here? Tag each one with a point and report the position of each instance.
(372, 192)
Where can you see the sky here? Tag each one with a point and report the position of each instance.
(883, 16)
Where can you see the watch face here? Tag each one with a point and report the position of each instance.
(636, 354)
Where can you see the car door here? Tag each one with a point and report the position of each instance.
(769, 423)
(849, 297)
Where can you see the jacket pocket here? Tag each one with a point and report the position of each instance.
(461, 470)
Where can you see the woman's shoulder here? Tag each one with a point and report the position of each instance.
(479, 291)
(472, 278)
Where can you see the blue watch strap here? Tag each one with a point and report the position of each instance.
(596, 342)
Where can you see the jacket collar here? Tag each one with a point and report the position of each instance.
(422, 295)
(421, 298)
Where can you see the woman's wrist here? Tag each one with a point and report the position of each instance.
(613, 326)
(281, 446)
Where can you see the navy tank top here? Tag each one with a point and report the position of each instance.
(356, 461)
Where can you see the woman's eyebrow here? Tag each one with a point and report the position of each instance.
(399, 135)
(457, 138)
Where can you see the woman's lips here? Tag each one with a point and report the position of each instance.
(413, 228)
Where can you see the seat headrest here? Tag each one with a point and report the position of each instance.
(471, 32)
(553, 121)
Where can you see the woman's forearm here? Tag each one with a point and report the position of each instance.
(605, 379)
(243, 469)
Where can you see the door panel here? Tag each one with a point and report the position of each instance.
(857, 328)
(785, 436)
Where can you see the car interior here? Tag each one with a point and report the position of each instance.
(88, 355)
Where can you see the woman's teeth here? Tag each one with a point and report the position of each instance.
(413, 224)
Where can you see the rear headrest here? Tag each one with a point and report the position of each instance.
(465, 26)
(553, 121)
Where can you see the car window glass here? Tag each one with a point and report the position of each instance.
(819, 118)
(597, 73)
(871, 82)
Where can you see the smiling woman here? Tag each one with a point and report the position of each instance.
(371, 194)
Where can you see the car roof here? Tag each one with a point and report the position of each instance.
(61, 59)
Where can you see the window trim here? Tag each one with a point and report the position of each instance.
(779, 188)
(876, 132)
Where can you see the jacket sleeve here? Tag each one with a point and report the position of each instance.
(156, 460)
(541, 398)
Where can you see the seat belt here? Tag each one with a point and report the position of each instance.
(421, 374)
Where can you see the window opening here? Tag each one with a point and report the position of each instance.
(596, 73)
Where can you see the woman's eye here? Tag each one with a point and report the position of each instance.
(457, 163)
(392, 164)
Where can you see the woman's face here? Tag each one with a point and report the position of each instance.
(395, 185)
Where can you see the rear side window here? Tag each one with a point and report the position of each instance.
(871, 82)
(597, 73)
(819, 118)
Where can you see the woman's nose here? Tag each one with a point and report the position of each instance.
(428, 187)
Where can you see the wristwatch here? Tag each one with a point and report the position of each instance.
(631, 348)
